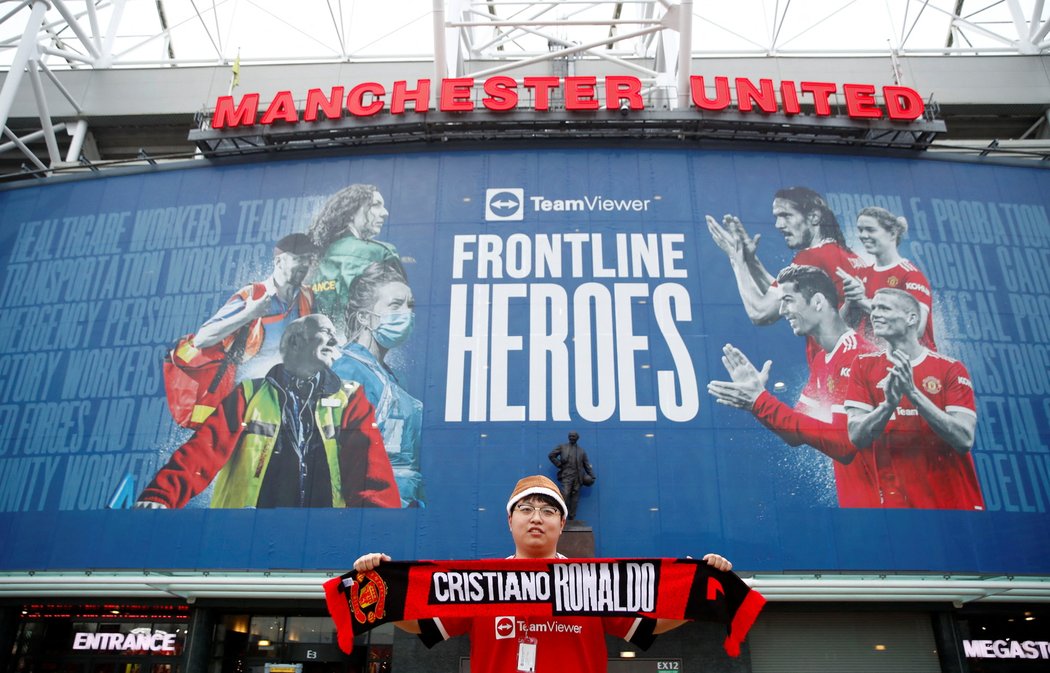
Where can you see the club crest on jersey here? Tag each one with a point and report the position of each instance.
(368, 597)
(932, 385)
(829, 385)
(893, 281)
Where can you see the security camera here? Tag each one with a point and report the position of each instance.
(625, 108)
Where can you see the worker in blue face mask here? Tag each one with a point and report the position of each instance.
(393, 329)
(379, 318)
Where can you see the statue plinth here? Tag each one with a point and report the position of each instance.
(577, 540)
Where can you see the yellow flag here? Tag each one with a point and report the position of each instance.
(236, 71)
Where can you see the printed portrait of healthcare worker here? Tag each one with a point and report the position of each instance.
(379, 317)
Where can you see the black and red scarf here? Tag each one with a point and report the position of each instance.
(656, 588)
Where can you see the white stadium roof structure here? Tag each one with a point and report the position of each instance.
(93, 84)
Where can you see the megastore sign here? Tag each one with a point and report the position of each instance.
(614, 92)
(807, 361)
(1006, 649)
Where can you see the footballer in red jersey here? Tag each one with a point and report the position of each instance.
(880, 232)
(915, 409)
(809, 228)
(808, 303)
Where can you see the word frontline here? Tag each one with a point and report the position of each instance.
(622, 586)
(503, 94)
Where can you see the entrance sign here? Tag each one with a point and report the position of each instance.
(138, 640)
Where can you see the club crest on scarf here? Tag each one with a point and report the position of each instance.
(368, 593)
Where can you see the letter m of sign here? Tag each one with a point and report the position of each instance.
(227, 116)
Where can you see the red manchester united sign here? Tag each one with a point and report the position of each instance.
(614, 92)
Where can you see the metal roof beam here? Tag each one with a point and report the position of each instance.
(18, 142)
(96, 35)
(1022, 44)
(684, 28)
(74, 25)
(597, 53)
(565, 52)
(26, 50)
(45, 114)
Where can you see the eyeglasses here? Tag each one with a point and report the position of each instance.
(546, 512)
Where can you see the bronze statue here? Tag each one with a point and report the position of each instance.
(574, 471)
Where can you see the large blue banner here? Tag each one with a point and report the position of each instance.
(805, 362)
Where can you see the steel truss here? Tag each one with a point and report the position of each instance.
(655, 39)
(38, 41)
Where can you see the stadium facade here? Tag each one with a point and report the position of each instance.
(549, 219)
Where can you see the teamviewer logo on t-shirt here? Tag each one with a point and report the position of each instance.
(504, 628)
(504, 204)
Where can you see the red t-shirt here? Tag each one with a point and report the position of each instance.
(819, 419)
(828, 256)
(563, 644)
(914, 466)
(829, 375)
(903, 276)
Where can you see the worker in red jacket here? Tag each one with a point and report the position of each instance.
(300, 437)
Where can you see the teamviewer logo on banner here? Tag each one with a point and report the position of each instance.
(504, 204)
(504, 628)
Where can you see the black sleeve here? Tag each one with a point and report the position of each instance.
(644, 635)
(429, 633)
